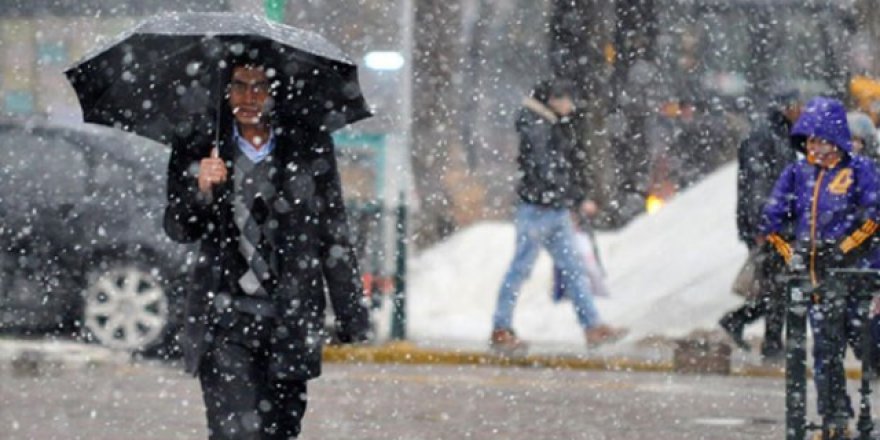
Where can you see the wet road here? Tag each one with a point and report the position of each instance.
(154, 401)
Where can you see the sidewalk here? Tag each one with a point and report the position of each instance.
(644, 356)
(631, 358)
(29, 355)
(463, 354)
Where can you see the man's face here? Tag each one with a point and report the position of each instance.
(793, 111)
(857, 145)
(249, 95)
(563, 105)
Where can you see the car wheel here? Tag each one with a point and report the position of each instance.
(125, 307)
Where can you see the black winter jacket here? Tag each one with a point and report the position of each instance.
(762, 157)
(551, 160)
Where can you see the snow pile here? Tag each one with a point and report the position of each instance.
(669, 274)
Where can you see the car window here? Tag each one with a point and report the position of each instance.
(39, 168)
(134, 177)
(124, 158)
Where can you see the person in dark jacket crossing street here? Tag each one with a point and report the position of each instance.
(552, 164)
(762, 156)
(266, 207)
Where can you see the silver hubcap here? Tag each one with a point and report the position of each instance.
(126, 308)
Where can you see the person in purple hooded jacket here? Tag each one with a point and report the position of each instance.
(831, 198)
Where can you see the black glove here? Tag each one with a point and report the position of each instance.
(829, 255)
(350, 335)
(800, 259)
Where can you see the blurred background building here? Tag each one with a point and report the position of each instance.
(667, 87)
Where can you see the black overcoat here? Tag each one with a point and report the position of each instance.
(314, 248)
(762, 156)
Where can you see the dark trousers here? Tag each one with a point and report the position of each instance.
(770, 304)
(834, 327)
(772, 308)
(242, 401)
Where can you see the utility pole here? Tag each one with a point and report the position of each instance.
(402, 154)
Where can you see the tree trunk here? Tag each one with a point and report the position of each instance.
(473, 86)
(867, 14)
(577, 38)
(579, 31)
(436, 132)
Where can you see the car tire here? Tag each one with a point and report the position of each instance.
(126, 307)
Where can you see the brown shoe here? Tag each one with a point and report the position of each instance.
(604, 334)
(505, 341)
(847, 434)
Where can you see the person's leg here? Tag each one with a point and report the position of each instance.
(774, 326)
(874, 334)
(828, 373)
(752, 308)
(764, 305)
(819, 355)
(774, 298)
(561, 246)
(231, 387)
(527, 238)
(287, 406)
(748, 312)
(734, 322)
(854, 325)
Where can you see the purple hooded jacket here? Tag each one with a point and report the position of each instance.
(825, 206)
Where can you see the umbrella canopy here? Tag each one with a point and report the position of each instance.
(170, 71)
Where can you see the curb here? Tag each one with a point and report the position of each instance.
(32, 357)
(29, 357)
(408, 353)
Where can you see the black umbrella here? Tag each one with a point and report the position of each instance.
(170, 72)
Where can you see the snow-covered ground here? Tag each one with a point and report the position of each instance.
(669, 274)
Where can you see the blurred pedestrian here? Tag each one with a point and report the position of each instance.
(642, 90)
(832, 197)
(266, 208)
(864, 135)
(762, 157)
(865, 143)
(704, 140)
(552, 163)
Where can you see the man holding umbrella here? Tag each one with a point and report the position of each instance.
(259, 344)
(253, 179)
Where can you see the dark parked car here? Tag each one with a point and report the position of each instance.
(81, 242)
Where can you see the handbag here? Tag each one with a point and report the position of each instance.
(593, 268)
(747, 283)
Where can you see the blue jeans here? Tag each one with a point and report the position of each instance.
(551, 228)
